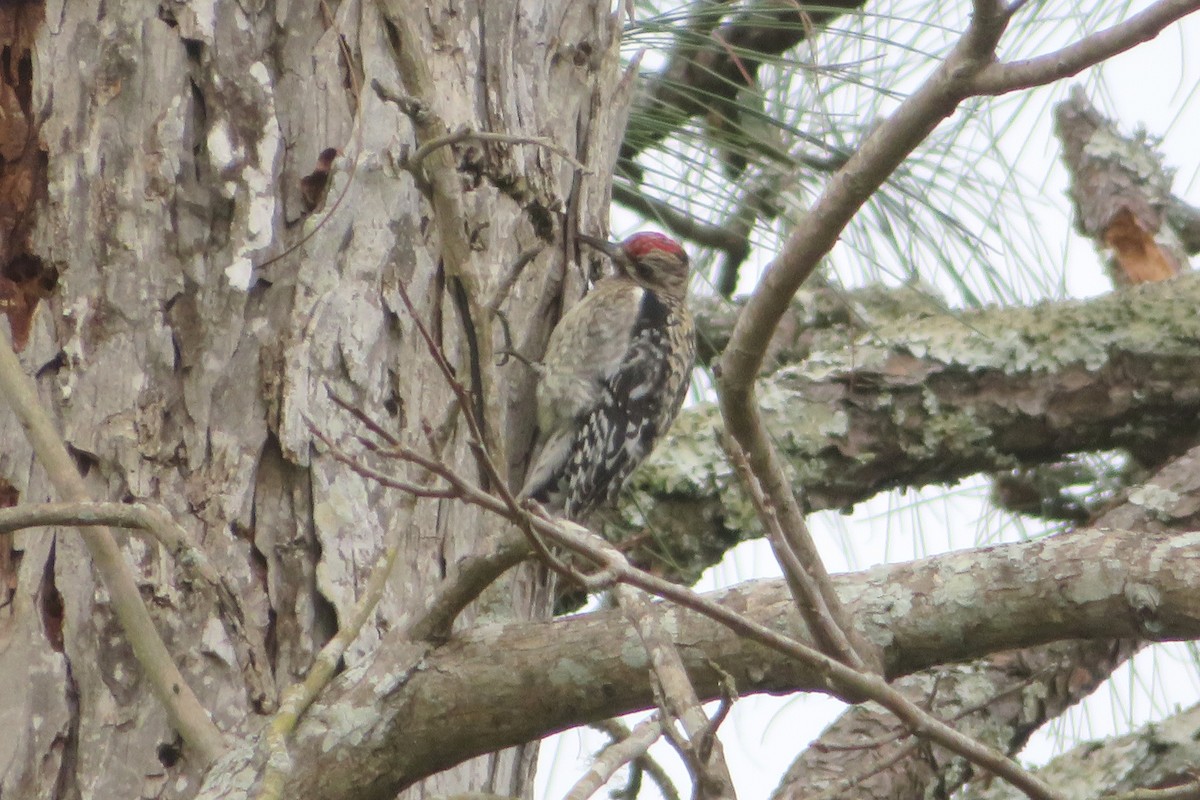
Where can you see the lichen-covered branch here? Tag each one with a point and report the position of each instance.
(841, 679)
(822, 318)
(867, 754)
(1161, 755)
(928, 399)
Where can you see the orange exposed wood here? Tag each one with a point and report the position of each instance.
(1137, 255)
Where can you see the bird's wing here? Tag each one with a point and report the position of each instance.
(585, 350)
(633, 409)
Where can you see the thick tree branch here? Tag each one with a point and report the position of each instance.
(925, 399)
(545, 676)
(817, 319)
(839, 679)
(626, 746)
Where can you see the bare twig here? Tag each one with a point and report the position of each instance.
(478, 445)
(325, 216)
(510, 277)
(184, 710)
(902, 745)
(382, 478)
(679, 699)
(446, 199)
(469, 577)
(768, 472)
(874, 768)
(183, 551)
(1001, 78)
(728, 697)
(501, 295)
(474, 574)
(509, 350)
(465, 134)
(362, 416)
(644, 763)
(806, 591)
(628, 747)
(842, 680)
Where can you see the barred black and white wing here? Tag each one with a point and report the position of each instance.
(636, 403)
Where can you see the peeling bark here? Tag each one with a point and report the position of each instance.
(24, 279)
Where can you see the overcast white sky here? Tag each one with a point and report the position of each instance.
(1156, 85)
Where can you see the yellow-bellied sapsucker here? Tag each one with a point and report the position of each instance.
(615, 373)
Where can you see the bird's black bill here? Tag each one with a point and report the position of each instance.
(610, 249)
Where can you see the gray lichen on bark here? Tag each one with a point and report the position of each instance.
(932, 398)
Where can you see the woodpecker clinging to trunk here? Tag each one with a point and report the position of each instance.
(615, 373)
